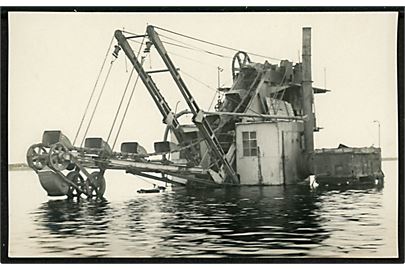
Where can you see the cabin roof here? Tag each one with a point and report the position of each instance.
(354, 150)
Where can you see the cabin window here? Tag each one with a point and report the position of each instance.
(249, 143)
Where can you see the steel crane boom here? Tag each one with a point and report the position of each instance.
(198, 115)
(164, 108)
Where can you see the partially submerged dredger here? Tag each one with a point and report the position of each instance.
(261, 133)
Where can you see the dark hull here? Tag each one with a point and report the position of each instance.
(342, 181)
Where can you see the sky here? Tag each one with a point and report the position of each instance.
(54, 60)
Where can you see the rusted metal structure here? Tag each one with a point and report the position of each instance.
(260, 134)
(348, 165)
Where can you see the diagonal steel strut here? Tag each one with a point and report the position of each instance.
(198, 115)
(164, 108)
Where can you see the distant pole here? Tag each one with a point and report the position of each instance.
(219, 76)
(379, 132)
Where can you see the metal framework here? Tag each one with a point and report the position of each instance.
(169, 118)
(65, 169)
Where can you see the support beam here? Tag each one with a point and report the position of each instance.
(136, 36)
(154, 177)
(159, 100)
(157, 71)
(167, 180)
(164, 108)
(151, 167)
(258, 115)
(198, 116)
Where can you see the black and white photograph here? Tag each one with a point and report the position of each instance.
(202, 135)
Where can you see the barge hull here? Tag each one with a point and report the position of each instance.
(348, 165)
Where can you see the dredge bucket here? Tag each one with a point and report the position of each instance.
(53, 183)
(51, 137)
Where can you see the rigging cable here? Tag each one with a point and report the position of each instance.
(214, 44)
(216, 90)
(147, 181)
(212, 101)
(199, 81)
(188, 47)
(189, 58)
(98, 100)
(191, 47)
(132, 93)
(126, 65)
(127, 32)
(93, 91)
(189, 75)
(194, 60)
(119, 106)
(282, 93)
(126, 108)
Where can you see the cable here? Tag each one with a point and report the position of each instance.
(194, 78)
(98, 100)
(132, 93)
(143, 178)
(187, 46)
(93, 91)
(191, 47)
(203, 83)
(197, 80)
(126, 65)
(189, 75)
(127, 32)
(185, 57)
(212, 101)
(126, 108)
(192, 59)
(214, 44)
(119, 107)
(208, 42)
(282, 94)
(216, 90)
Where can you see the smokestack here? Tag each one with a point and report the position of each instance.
(307, 96)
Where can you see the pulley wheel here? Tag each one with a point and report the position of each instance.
(77, 179)
(58, 157)
(37, 156)
(240, 59)
(71, 166)
(97, 186)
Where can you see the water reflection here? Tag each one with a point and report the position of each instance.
(255, 221)
(232, 222)
(72, 227)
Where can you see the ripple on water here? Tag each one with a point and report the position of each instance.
(290, 221)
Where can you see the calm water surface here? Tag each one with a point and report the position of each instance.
(291, 221)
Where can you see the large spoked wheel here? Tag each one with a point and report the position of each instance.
(77, 179)
(37, 156)
(96, 188)
(239, 60)
(58, 157)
